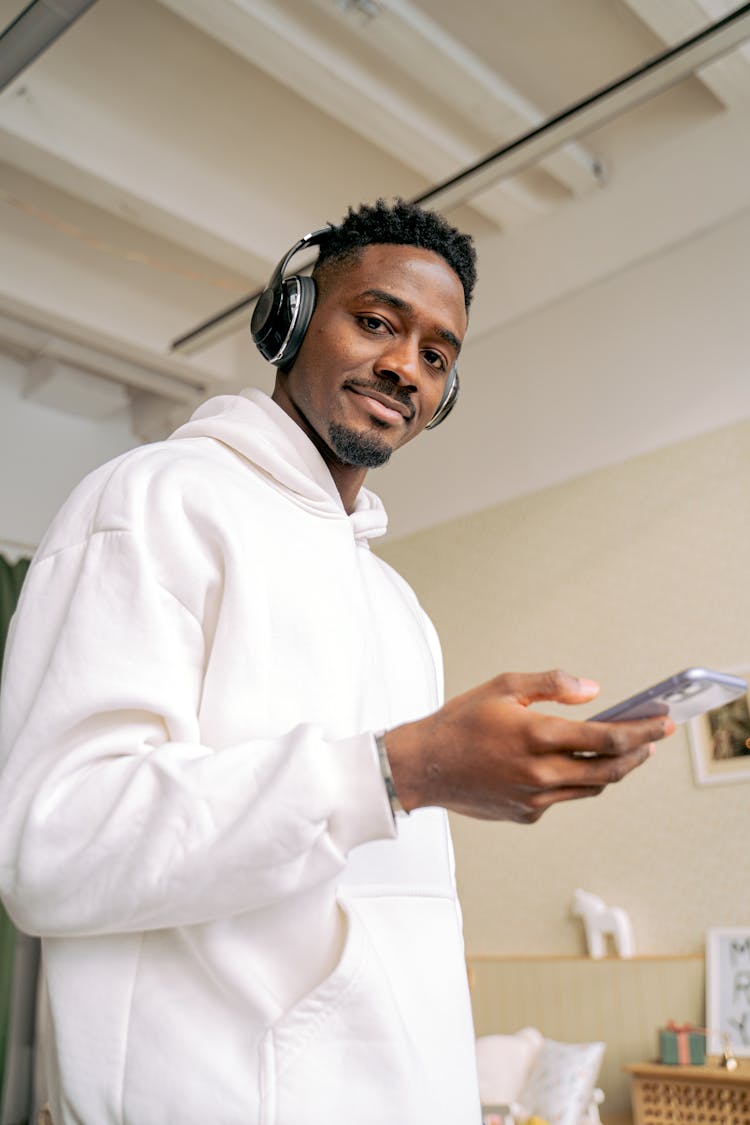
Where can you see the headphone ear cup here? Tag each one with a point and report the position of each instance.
(448, 401)
(265, 318)
(284, 309)
(300, 293)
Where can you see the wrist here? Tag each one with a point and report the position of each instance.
(402, 747)
(387, 774)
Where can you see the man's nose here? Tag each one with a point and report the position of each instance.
(399, 361)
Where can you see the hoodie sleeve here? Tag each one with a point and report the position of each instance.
(113, 816)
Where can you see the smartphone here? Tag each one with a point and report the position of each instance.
(682, 697)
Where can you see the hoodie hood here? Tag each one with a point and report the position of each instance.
(260, 431)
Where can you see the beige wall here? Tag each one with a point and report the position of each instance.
(625, 575)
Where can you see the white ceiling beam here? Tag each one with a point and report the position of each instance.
(727, 78)
(354, 91)
(62, 386)
(29, 334)
(403, 33)
(71, 368)
(677, 193)
(633, 89)
(53, 132)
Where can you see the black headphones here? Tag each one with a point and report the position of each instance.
(283, 313)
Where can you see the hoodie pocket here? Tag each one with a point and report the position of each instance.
(344, 1052)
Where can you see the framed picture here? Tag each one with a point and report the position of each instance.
(720, 740)
(728, 990)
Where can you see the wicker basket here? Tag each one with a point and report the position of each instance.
(690, 1095)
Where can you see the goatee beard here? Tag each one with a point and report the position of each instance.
(364, 451)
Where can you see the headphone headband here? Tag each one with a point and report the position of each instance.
(283, 312)
(314, 238)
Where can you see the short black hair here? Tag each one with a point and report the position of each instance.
(401, 224)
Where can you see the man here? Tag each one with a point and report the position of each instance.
(217, 698)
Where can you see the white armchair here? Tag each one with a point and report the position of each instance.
(525, 1075)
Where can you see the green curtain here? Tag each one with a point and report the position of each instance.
(11, 580)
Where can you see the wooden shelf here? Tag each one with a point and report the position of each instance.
(663, 1095)
(711, 1072)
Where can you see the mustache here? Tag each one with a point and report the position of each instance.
(385, 387)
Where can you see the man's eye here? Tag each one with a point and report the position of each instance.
(435, 359)
(372, 323)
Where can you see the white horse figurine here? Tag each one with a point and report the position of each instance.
(600, 920)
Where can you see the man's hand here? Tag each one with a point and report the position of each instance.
(486, 754)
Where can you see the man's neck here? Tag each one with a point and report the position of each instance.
(347, 478)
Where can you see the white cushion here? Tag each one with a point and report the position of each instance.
(559, 1086)
(503, 1062)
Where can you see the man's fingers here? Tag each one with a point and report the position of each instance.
(607, 770)
(555, 796)
(555, 685)
(602, 739)
(635, 732)
(487, 754)
(564, 778)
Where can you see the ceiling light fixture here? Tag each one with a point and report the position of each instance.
(369, 9)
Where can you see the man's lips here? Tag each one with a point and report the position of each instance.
(383, 406)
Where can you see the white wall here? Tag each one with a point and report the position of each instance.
(43, 454)
(625, 575)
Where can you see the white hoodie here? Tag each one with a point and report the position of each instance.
(191, 810)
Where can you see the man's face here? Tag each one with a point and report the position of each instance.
(373, 366)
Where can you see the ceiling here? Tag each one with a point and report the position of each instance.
(159, 157)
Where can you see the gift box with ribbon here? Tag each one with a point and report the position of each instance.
(682, 1044)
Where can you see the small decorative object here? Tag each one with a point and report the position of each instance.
(728, 1061)
(600, 920)
(497, 1115)
(728, 991)
(720, 741)
(682, 1045)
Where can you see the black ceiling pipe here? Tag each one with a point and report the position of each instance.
(32, 32)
